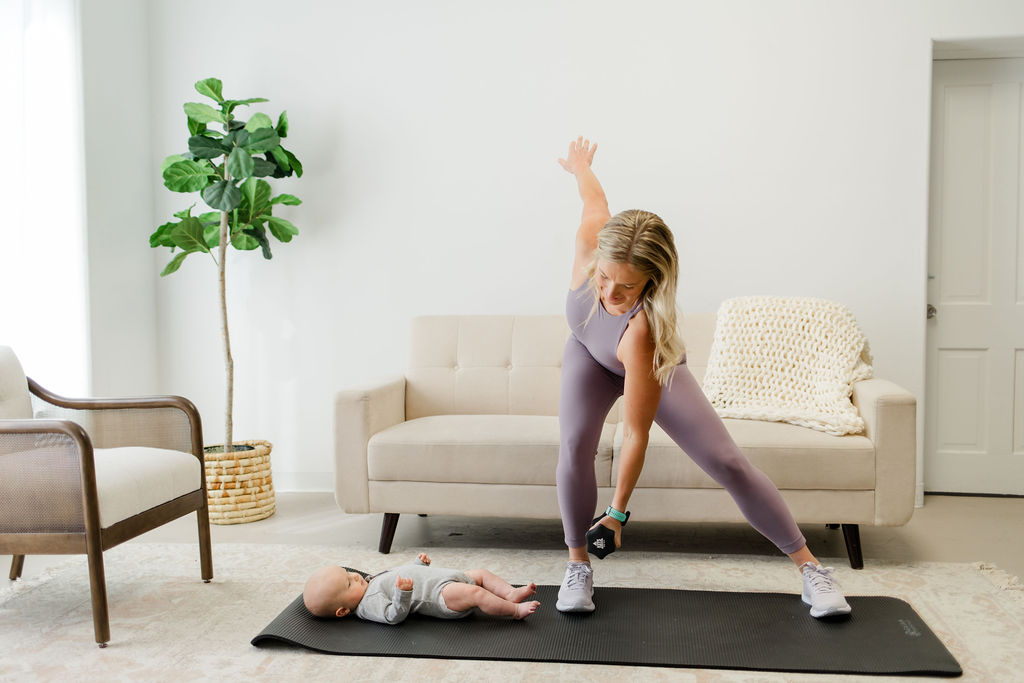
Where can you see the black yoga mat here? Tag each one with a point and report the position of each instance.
(650, 627)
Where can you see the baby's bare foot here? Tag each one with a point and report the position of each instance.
(520, 594)
(525, 609)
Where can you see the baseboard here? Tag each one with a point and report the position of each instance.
(964, 494)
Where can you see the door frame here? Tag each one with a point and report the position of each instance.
(942, 50)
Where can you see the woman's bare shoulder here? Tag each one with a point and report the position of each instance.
(636, 342)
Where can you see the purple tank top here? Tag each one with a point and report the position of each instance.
(601, 335)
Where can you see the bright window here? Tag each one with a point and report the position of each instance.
(43, 276)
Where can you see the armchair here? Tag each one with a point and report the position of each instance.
(84, 475)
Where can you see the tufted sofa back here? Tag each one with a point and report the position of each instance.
(504, 364)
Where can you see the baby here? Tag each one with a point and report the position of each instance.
(391, 596)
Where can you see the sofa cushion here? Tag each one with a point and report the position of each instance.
(483, 449)
(129, 480)
(793, 458)
(133, 479)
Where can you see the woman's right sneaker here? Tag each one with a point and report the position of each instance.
(577, 591)
(821, 591)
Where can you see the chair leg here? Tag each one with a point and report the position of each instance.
(17, 564)
(98, 586)
(851, 534)
(387, 532)
(205, 551)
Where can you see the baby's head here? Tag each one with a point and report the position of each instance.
(333, 592)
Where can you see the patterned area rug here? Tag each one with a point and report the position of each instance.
(167, 625)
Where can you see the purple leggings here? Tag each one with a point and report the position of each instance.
(588, 392)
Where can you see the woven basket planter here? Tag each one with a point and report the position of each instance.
(239, 486)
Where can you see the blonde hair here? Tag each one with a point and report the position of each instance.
(641, 240)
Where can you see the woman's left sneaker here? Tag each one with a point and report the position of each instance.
(821, 591)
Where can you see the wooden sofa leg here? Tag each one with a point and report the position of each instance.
(98, 586)
(851, 534)
(17, 564)
(387, 532)
(205, 550)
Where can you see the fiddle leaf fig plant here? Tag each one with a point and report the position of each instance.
(226, 163)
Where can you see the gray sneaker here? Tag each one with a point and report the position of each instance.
(821, 591)
(577, 591)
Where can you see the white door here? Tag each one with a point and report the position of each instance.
(974, 403)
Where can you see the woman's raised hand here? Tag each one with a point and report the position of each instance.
(581, 155)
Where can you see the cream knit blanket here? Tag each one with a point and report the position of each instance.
(788, 359)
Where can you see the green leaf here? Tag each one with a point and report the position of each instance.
(161, 237)
(203, 113)
(255, 200)
(228, 106)
(294, 163)
(282, 124)
(170, 160)
(260, 235)
(188, 235)
(281, 157)
(235, 125)
(211, 87)
(235, 103)
(174, 264)
(262, 200)
(210, 217)
(263, 140)
(244, 242)
(186, 176)
(196, 128)
(258, 121)
(222, 195)
(286, 199)
(185, 213)
(203, 147)
(248, 189)
(240, 164)
(281, 229)
(211, 234)
(236, 138)
(263, 168)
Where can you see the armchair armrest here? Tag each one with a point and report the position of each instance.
(171, 422)
(359, 413)
(890, 414)
(47, 478)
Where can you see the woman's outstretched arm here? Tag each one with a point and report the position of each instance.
(595, 205)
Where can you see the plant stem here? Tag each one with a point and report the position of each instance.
(229, 363)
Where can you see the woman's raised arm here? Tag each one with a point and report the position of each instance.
(595, 205)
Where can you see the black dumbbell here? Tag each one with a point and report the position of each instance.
(601, 539)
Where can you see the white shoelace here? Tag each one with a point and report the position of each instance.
(821, 579)
(577, 576)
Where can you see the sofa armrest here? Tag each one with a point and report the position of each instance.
(359, 413)
(890, 415)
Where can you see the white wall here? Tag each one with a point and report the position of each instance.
(119, 197)
(786, 143)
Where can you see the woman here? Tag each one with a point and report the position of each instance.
(622, 310)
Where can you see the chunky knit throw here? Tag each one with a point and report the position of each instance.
(788, 359)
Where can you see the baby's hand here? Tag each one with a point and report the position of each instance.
(403, 584)
(424, 558)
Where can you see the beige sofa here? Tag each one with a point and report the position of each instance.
(472, 429)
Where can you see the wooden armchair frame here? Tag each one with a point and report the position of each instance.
(93, 540)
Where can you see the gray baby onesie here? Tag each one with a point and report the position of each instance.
(384, 603)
